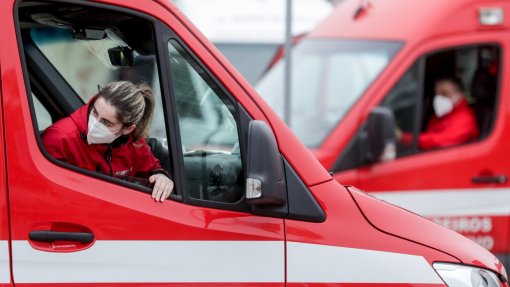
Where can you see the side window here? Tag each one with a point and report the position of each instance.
(71, 53)
(208, 130)
(42, 114)
(402, 100)
(467, 77)
(477, 69)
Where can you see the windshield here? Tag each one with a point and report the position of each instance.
(328, 77)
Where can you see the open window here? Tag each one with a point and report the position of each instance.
(411, 100)
(410, 103)
(71, 51)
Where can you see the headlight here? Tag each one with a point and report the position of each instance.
(455, 275)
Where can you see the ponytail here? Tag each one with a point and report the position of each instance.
(143, 128)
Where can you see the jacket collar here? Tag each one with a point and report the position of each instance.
(80, 117)
(462, 104)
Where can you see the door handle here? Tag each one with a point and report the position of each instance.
(52, 236)
(499, 179)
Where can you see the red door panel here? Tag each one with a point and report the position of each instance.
(5, 262)
(445, 184)
(101, 232)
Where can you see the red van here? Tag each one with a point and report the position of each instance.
(371, 67)
(251, 205)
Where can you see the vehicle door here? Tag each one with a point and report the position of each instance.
(464, 186)
(5, 261)
(74, 226)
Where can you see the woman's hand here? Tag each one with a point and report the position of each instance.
(163, 186)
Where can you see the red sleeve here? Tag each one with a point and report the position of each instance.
(462, 129)
(56, 143)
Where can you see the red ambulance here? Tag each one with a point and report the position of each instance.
(251, 205)
(373, 63)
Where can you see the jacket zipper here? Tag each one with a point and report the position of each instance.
(108, 158)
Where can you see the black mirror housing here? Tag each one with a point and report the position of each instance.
(265, 170)
(380, 131)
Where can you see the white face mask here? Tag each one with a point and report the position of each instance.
(99, 133)
(442, 105)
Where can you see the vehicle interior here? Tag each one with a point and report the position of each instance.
(478, 69)
(410, 100)
(71, 50)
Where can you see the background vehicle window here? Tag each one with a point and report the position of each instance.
(328, 78)
(402, 100)
(208, 131)
(411, 99)
(476, 67)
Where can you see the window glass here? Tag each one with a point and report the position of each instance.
(328, 77)
(471, 75)
(42, 115)
(208, 131)
(83, 63)
(402, 100)
(477, 69)
(411, 101)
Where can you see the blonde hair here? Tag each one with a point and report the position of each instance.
(134, 105)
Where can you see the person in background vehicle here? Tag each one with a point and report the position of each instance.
(108, 135)
(453, 123)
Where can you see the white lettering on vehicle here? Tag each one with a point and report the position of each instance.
(485, 241)
(466, 224)
(474, 228)
(467, 211)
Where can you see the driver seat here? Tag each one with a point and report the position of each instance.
(162, 154)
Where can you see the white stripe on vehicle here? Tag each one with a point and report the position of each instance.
(5, 270)
(153, 261)
(217, 261)
(451, 202)
(331, 264)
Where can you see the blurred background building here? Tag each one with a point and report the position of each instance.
(250, 32)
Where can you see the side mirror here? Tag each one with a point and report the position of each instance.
(379, 143)
(265, 183)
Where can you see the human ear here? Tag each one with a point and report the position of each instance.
(129, 129)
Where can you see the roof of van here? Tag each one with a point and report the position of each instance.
(406, 19)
